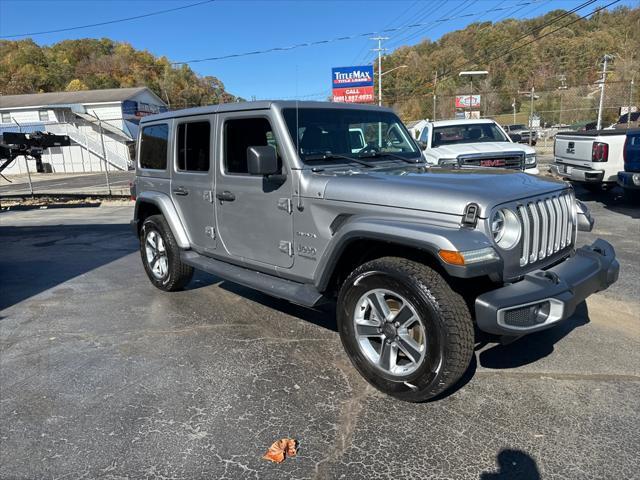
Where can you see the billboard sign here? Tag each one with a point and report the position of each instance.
(467, 101)
(353, 84)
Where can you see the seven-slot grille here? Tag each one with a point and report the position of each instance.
(547, 226)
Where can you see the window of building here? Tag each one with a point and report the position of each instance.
(6, 117)
(193, 146)
(153, 146)
(44, 115)
(241, 133)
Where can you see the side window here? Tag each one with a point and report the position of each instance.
(241, 133)
(424, 136)
(153, 146)
(192, 146)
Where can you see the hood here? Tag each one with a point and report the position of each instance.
(452, 151)
(436, 189)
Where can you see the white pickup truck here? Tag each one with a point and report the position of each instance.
(592, 158)
(474, 143)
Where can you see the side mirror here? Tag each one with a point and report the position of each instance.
(262, 160)
(515, 137)
(422, 145)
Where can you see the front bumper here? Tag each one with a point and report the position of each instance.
(629, 180)
(545, 297)
(578, 174)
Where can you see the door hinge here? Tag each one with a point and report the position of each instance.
(285, 204)
(210, 232)
(207, 195)
(286, 247)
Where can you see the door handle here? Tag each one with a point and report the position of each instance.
(225, 196)
(180, 191)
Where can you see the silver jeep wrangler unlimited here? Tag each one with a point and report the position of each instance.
(312, 202)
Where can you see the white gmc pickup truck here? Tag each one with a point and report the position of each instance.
(474, 143)
(592, 158)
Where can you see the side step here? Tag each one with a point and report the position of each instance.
(298, 293)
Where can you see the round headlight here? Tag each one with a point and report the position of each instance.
(505, 228)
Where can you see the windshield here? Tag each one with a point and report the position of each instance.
(467, 133)
(338, 134)
(516, 127)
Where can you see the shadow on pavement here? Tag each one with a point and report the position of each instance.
(614, 200)
(513, 465)
(36, 258)
(323, 316)
(533, 347)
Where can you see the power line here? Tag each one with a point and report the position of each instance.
(509, 51)
(340, 39)
(128, 19)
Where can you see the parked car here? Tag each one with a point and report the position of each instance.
(629, 179)
(592, 158)
(475, 143)
(272, 196)
(523, 131)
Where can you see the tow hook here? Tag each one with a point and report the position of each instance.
(551, 276)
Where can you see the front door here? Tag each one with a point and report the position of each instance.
(254, 213)
(192, 179)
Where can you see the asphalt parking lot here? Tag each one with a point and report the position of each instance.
(103, 376)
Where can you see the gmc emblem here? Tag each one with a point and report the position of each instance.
(493, 163)
(571, 147)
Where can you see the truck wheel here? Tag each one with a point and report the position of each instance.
(406, 331)
(161, 255)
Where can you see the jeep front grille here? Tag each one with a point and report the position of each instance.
(548, 226)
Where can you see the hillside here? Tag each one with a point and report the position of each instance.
(520, 54)
(26, 67)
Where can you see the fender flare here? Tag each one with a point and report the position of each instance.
(168, 209)
(413, 234)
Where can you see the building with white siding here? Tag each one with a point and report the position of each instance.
(102, 126)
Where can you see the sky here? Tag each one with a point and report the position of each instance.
(224, 27)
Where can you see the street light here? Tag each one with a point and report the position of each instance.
(382, 74)
(394, 68)
(471, 74)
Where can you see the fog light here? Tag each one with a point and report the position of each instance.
(540, 312)
(636, 178)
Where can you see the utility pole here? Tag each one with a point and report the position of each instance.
(532, 94)
(514, 111)
(435, 83)
(380, 50)
(563, 86)
(630, 100)
(602, 82)
(533, 90)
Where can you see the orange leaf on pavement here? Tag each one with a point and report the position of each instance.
(280, 449)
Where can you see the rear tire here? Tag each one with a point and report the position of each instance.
(161, 255)
(415, 362)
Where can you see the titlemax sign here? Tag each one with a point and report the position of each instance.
(358, 76)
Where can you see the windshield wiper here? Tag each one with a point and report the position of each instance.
(375, 154)
(329, 156)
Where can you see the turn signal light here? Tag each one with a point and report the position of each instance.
(452, 257)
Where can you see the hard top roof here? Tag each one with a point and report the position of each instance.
(466, 121)
(258, 105)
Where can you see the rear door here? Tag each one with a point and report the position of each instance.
(254, 213)
(192, 183)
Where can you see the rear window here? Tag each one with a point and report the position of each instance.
(193, 145)
(153, 146)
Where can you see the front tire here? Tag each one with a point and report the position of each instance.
(405, 330)
(161, 255)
